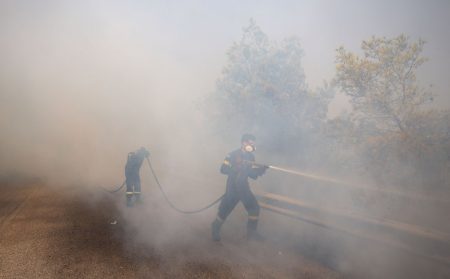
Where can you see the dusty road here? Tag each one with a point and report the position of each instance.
(63, 232)
(84, 232)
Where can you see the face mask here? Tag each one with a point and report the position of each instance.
(249, 148)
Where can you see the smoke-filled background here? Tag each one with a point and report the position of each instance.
(354, 91)
(83, 83)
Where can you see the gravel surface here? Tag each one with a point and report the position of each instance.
(76, 232)
(84, 232)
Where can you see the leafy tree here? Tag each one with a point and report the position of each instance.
(262, 89)
(382, 82)
(400, 140)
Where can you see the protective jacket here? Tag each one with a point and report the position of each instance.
(134, 163)
(238, 166)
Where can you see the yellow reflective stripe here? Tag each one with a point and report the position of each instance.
(129, 193)
(226, 162)
(253, 217)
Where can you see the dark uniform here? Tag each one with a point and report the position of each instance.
(133, 180)
(237, 165)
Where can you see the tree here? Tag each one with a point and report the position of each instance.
(400, 140)
(262, 89)
(382, 83)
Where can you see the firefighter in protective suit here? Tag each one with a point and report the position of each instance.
(238, 167)
(133, 180)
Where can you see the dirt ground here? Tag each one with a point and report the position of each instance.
(61, 232)
(84, 232)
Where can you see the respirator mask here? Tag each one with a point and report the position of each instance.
(249, 148)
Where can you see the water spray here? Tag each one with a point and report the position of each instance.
(304, 174)
(347, 184)
(313, 176)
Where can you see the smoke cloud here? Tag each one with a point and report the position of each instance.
(84, 83)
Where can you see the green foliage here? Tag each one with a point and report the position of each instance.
(382, 83)
(399, 141)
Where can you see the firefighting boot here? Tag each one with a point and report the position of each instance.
(252, 233)
(129, 200)
(215, 229)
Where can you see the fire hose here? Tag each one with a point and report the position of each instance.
(203, 208)
(115, 190)
(171, 204)
(253, 163)
(165, 195)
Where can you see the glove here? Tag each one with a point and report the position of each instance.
(263, 169)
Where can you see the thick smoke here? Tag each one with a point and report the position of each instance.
(79, 93)
(83, 84)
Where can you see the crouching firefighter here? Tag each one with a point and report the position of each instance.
(238, 167)
(133, 180)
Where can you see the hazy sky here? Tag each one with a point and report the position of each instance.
(188, 39)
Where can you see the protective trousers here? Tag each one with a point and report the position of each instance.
(234, 194)
(133, 182)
